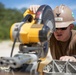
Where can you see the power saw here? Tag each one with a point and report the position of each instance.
(33, 33)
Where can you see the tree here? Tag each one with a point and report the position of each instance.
(7, 18)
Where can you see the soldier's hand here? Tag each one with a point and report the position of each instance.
(68, 58)
(34, 8)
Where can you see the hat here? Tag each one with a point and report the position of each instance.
(63, 16)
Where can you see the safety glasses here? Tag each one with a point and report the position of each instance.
(62, 28)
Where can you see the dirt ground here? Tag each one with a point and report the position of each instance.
(6, 46)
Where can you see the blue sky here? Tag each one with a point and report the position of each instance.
(26, 3)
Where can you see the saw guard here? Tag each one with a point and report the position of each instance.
(44, 15)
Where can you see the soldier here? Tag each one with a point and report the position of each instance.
(63, 40)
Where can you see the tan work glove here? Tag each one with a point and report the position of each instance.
(34, 8)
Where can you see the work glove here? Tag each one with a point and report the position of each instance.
(34, 8)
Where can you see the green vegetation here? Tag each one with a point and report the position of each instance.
(75, 27)
(7, 18)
